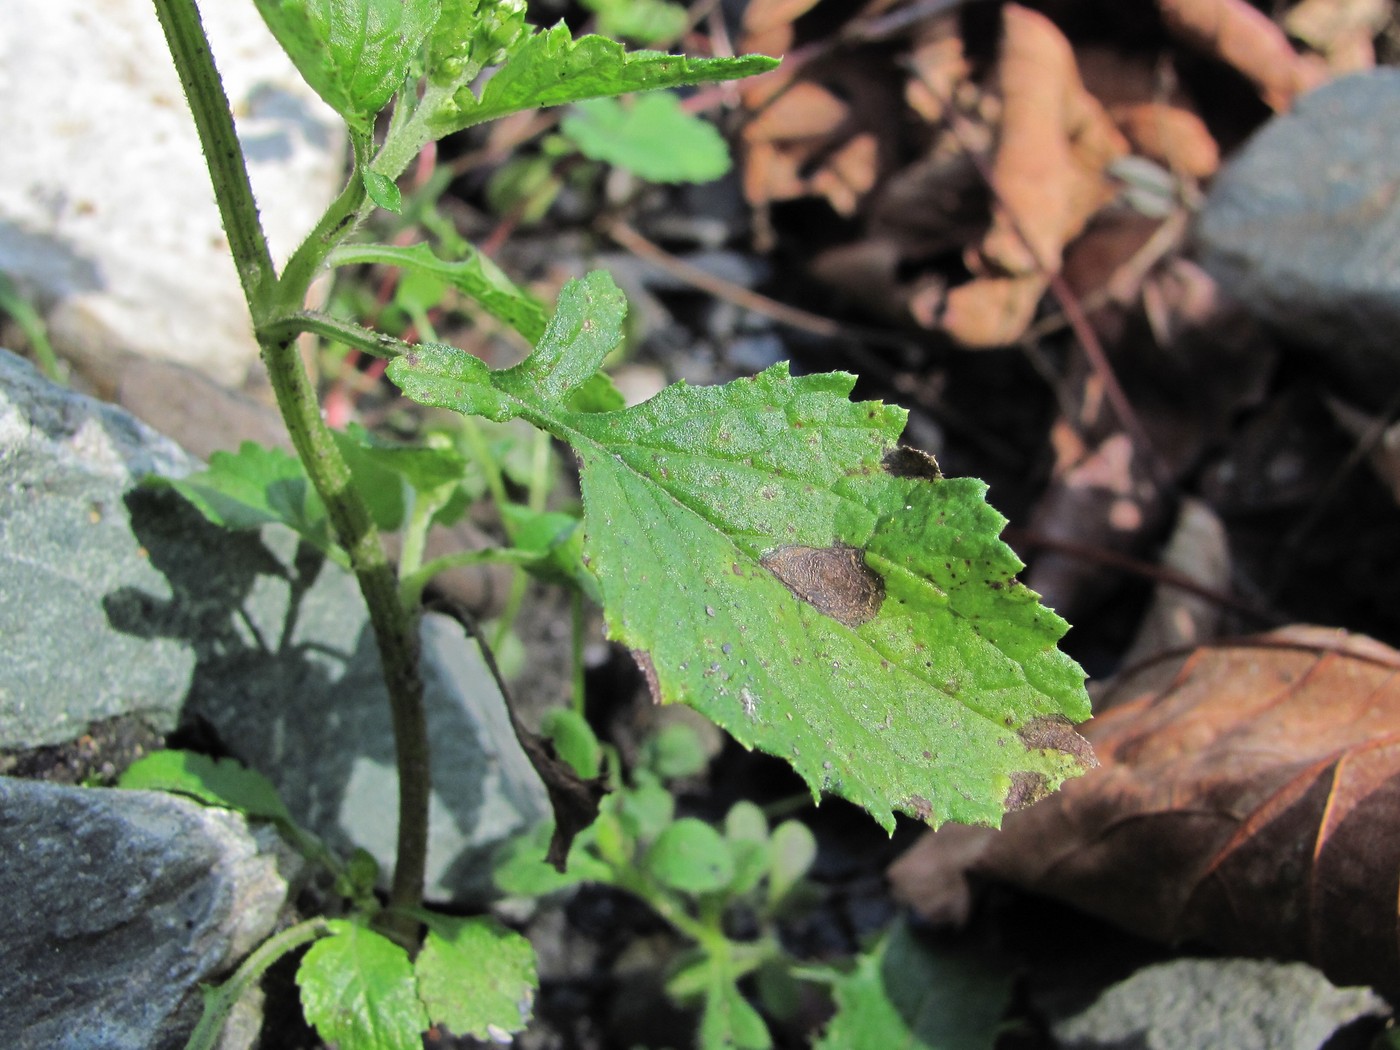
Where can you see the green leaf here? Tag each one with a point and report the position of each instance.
(745, 822)
(728, 1020)
(653, 137)
(476, 977)
(520, 868)
(644, 21)
(904, 994)
(690, 856)
(471, 35)
(390, 475)
(792, 851)
(437, 371)
(383, 190)
(775, 561)
(573, 740)
(257, 486)
(551, 68)
(359, 992)
(354, 53)
(475, 276)
(645, 809)
(675, 751)
(557, 538)
(215, 782)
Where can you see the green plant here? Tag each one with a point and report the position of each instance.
(765, 548)
(696, 876)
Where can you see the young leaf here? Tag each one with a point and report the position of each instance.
(573, 740)
(215, 782)
(551, 68)
(354, 53)
(653, 138)
(359, 992)
(792, 852)
(642, 21)
(471, 35)
(389, 474)
(775, 561)
(690, 856)
(903, 994)
(728, 1021)
(475, 276)
(383, 190)
(520, 869)
(476, 977)
(257, 486)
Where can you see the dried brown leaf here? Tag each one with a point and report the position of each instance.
(1240, 35)
(1248, 797)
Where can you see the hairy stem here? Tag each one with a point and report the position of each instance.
(271, 303)
(219, 1003)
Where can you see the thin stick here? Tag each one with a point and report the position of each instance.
(792, 316)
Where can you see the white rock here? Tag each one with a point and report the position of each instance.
(107, 216)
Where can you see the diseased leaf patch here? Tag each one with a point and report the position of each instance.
(778, 563)
(833, 580)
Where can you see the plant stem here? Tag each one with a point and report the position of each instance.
(271, 302)
(189, 47)
(220, 1002)
(366, 340)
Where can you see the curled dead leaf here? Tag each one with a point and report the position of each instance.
(1240, 35)
(1248, 797)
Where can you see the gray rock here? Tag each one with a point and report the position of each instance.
(1303, 226)
(67, 464)
(1243, 1004)
(116, 599)
(117, 904)
(106, 211)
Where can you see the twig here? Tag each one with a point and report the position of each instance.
(627, 237)
(1028, 539)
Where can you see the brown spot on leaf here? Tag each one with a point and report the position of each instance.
(906, 462)
(1027, 789)
(1056, 733)
(834, 580)
(920, 807)
(648, 669)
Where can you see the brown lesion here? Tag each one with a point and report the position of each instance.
(1046, 733)
(834, 580)
(906, 462)
(1056, 733)
(648, 669)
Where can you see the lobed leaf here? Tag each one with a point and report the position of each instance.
(476, 977)
(359, 992)
(355, 54)
(551, 68)
(257, 486)
(215, 782)
(775, 561)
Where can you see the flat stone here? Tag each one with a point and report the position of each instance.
(117, 905)
(1243, 1004)
(117, 599)
(1303, 227)
(106, 213)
